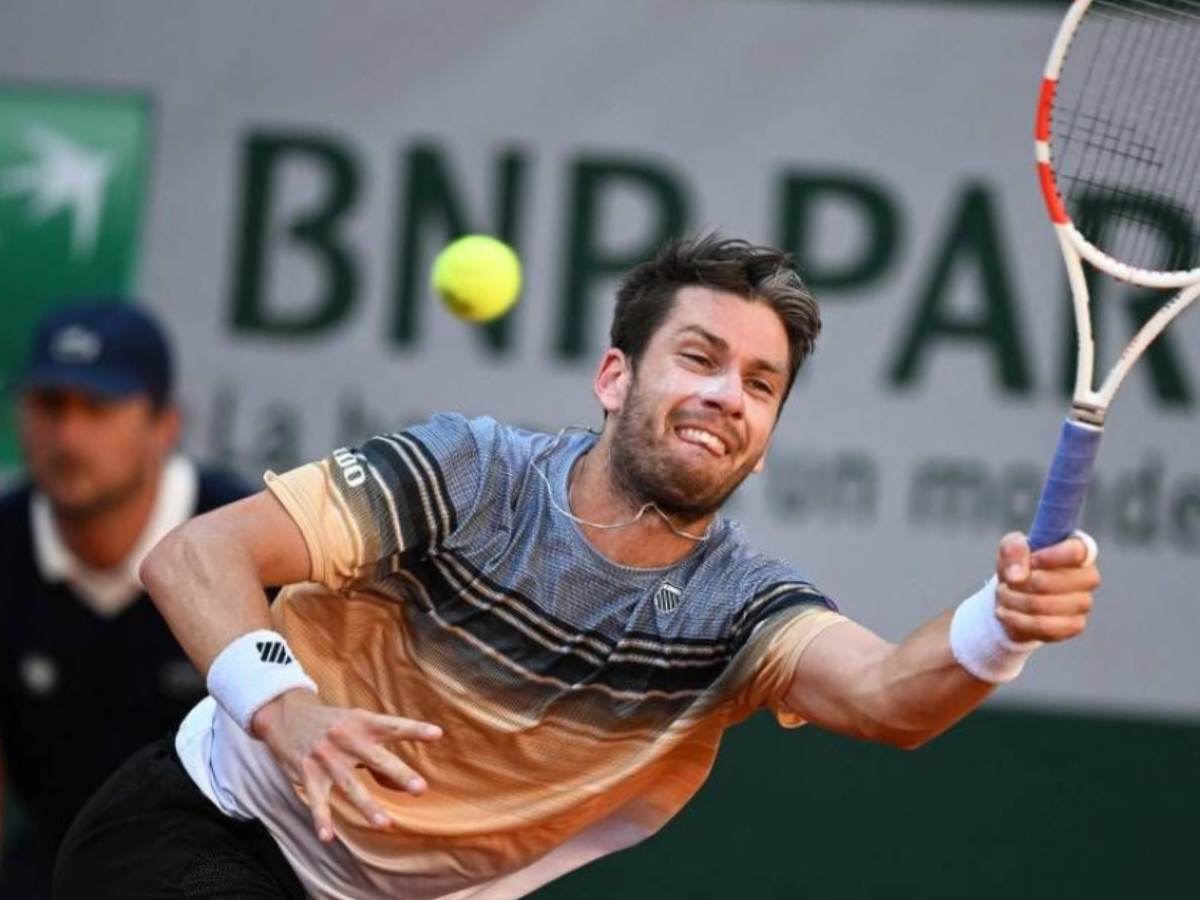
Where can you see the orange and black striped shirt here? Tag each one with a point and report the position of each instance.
(582, 701)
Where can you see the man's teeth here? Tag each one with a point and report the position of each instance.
(712, 442)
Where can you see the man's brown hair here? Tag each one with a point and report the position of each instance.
(761, 274)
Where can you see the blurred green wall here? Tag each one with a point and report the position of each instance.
(1006, 805)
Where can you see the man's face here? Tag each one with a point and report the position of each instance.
(696, 417)
(88, 453)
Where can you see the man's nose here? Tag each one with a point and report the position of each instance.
(71, 422)
(724, 391)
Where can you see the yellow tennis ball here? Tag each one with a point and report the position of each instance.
(478, 277)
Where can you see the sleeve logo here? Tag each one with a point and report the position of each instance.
(352, 469)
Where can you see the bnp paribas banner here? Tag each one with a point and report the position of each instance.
(311, 157)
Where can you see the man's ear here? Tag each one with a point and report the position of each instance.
(167, 428)
(762, 460)
(613, 377)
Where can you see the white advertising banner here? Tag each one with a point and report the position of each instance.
(309, 158)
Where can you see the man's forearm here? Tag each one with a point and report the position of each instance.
(852, 681)
(206, 586)
(918, 689)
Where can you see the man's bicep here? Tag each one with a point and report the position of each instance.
(831, 682)
(364, 511)
(268, 533)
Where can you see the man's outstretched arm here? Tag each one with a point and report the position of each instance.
(852, 681)
(207, 578)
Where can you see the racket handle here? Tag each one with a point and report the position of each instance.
(1066, 484)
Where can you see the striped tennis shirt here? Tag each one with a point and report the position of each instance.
(582, 701)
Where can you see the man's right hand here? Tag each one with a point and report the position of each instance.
(320, 746)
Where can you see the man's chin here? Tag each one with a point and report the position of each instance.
(686, 482)
(71, 506)
(704, 477)
(77, 501)
(693, 499)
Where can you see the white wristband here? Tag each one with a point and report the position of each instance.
(252, 671)
(980, 643)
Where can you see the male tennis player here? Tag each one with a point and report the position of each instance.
(504, 654)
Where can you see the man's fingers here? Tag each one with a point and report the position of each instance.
(338, 768)
(316, 787)
(1025, 627)
(321, 747)
(1062, 581)
(357, 725)
(1064, 603)
(1012, 559)
(362, 739)
(397, 728)
(383, 762)
(1065, 554)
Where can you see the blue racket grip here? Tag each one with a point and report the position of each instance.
(1066, 484)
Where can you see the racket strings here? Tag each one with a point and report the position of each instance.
(1192, 163)
(1186, 88)
(1089, 186)
(1125, 131)
(1157, 11)
(1183, 135)
(1107, 135)
(1153, 213)
(1146, 53)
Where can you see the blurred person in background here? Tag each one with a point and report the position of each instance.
(88, 669)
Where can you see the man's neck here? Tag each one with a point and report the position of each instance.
(650, 542)
(104, 539)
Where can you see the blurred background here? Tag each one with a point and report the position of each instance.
(272, 179)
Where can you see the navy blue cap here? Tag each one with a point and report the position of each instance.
(104, 347)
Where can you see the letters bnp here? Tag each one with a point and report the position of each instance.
(963, 298)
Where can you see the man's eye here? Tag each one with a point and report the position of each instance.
(762, 387)
(696, 358)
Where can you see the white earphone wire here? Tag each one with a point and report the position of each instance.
(697, 538)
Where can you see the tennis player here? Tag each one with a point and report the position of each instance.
(503, 654)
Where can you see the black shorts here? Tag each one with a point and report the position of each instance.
(150, 834)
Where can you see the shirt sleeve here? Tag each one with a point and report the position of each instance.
(363, 511)
(775, 627)
(777, 650)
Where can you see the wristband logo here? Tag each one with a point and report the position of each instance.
(273, 652)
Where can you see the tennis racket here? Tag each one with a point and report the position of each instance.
(1117, 139)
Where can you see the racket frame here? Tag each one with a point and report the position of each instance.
(1063, 493)
(1091, 405)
